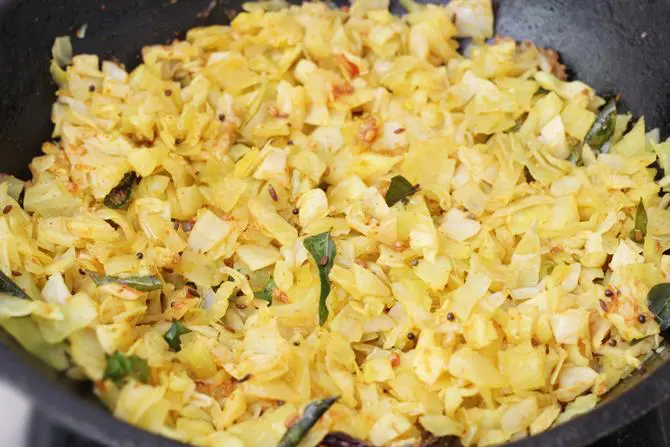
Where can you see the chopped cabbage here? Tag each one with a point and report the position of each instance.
(477, 304)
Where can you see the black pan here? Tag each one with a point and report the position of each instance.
(618, 46)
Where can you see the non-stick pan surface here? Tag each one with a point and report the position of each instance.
(618, 46)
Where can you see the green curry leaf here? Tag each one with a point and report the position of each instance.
(659, 304)
(120, 367)
(119, 196)
(640, 231)
(603, 128)
(340, 439)
(322, 249)
(267, 292)
(10, 288)
(172, 336)
(142, 283)
(399, 189)
(313, 412)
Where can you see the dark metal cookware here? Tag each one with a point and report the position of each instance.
(618, 46)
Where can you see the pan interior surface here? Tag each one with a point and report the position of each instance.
(617, 47)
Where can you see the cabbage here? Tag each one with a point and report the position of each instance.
(479, 251)
(55, 290)
(78, 312)
(470, 365)
(525, 366)
(26, 332)
(257, 257)
(465, 298)
(458, 226)
(208, 231)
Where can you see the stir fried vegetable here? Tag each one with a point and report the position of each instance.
(464, 246)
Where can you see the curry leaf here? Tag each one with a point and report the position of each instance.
(172, 336)
(640, 231)
(659, 304)
(322, 249)
(313, 411)
(120, 367)
(266, 293)
(339, 439)
(119, 196)
(141, 283)
(10, 288)
(603, 128)
(399, 189)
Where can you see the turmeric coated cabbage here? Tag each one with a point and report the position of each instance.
(320, 224)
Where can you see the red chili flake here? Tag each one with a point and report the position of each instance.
(399, 130)
(15, 273)
(7, 209)
(323, 260)
(272, 192)
(609, 292)
(342, 89)
(395, 359)
(603, 305)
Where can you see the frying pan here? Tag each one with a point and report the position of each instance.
(617, 46)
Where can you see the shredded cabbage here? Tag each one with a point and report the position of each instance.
(499, 295)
